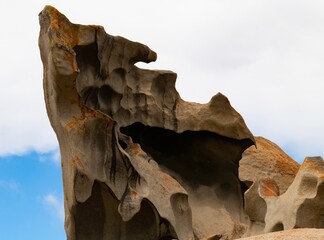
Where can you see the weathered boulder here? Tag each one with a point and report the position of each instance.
(138, 162)
(267, 160)
(255, 204)
(293, 234)
(301, 206)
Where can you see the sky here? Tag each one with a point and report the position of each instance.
(266, 56)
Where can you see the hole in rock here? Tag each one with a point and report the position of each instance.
(196, 157)
(122, 144)
(278, 227)
(98, 218)
(92, 83)
(87, 59)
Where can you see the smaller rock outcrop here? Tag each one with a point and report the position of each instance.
(267, 160)
(255, 204)
(301, 206)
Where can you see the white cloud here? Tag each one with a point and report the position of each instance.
(56, 204)
(266, 56)
(51, 156)
(11, 185)
(56, 157)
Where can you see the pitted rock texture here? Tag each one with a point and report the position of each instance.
(301, 206)
(267, 160)
(255, 204)
(138, 162)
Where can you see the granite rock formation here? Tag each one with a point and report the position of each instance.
(301, 206)
(267, 160)
(138, 162)
(255, 204)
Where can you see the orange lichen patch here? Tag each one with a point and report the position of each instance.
(289, 168)
(268, 188)
(76, 122)
(79, 121)
(308, 165)
(134, 193)
(76, 161)
(64, 35)
(313, 162)
(171, 182)
(135, 149)
(321, 175)
(315, 165)
(63, 31)
(86, 115)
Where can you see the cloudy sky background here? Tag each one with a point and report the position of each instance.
(266, 56)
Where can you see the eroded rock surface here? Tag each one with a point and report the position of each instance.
(267, 160)
(138, 162)
(255, 204)
(301, 206)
